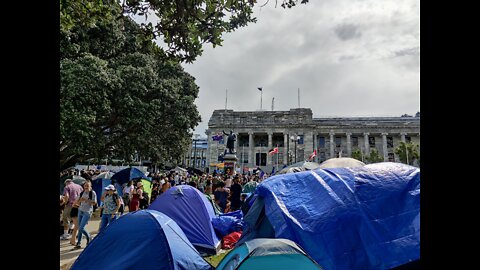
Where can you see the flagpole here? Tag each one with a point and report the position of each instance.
(298, 97)
(277, 157)
(243, 157)
(226, 97)
(261, 94)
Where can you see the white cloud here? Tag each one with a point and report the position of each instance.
(374, 71)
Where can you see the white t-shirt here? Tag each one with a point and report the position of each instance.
(228, 182)
(128, 190)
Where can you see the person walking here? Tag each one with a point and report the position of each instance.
(235, 193)
(86, 200)
(111, 204)
(127, 193)
(137, 195)
(70, 194)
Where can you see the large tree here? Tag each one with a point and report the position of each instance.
(122, 94)
(118, 97)
(183, 25)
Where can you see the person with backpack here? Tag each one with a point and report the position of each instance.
(111, 204)
(86, 201)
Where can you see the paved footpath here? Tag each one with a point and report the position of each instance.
(67, 254)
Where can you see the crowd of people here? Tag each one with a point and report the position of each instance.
(79, 202)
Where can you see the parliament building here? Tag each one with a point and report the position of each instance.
(297, 134)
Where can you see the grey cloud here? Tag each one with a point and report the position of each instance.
(347, 31)
(408, 51)
(290, 49)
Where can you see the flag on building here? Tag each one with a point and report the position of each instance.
(217, 137)
(313, 154)
(260, 88)
(273, 151)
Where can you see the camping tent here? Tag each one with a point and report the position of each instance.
(192, 211)
(264, 253)
(341, 162)
(179, 170)
(299, 166)
(128, 174)
(106, 175)
(145, 239)
(345, 218)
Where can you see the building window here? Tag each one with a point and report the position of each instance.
(300, 155)
(391, 157)
(322, 156)
(338, 141)
(321, 142)
(260, 159)
(389, 142)
(408, 139)
(244, 157)
(354, 141)
(300, 141)
(371, 141)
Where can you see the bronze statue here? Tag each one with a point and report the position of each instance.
(232, 137)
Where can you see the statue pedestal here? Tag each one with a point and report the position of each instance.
(230, 161)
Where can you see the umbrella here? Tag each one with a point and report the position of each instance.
(341, 163)
(78, 179)
(128, 174)
(299, 166)
(104, 175)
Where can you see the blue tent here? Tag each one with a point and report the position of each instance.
(128, 174)
(345, 218)
(192, 211)
(144, 239)
(265, 253)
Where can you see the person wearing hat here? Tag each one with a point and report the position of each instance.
(111, 204)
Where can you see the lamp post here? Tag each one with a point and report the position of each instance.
(195, 150)
(295, 138)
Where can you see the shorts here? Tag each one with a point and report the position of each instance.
(74, 212)
(66, 214)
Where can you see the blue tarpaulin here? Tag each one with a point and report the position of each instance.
(345, 218)
(144, 239)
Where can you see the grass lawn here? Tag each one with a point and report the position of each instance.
(215, 259)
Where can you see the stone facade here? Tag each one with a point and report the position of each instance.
(259, 131)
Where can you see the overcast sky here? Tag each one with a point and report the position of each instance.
(348, 57)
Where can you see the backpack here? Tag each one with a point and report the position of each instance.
(90, 196)
(115, 197)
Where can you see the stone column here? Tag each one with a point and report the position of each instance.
(367, 145)
(402, 135)
(332, 144)
(250, 149)
(285, 154)
(315, 146)
(269, 157)
(235, 144)
(384, 144)
(307, 145)
(209, 149)
(349, 145)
